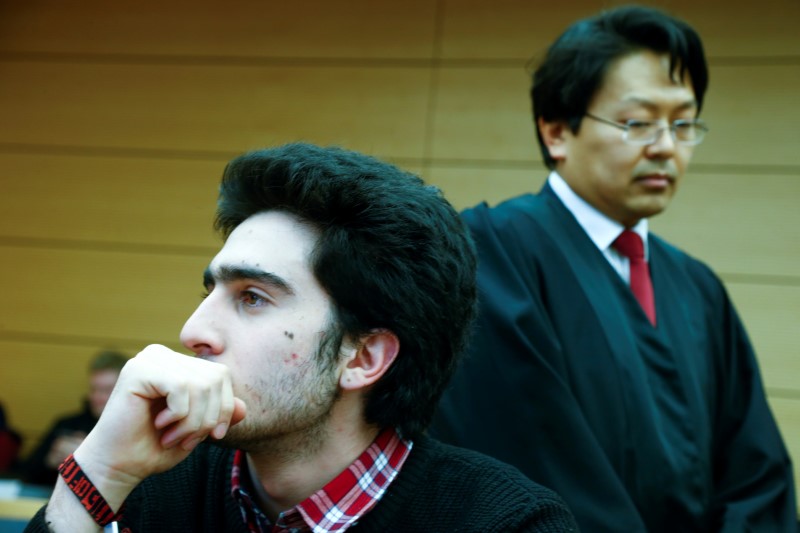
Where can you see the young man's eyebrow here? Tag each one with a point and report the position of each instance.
(227, 274)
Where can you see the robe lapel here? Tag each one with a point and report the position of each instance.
(606, 292)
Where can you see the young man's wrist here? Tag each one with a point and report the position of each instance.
(87, 493)
(114, 484)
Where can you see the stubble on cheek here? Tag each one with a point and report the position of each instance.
(292, 360)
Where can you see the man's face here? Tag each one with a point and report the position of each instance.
(265, 317)
(628, 183)
(101, 383)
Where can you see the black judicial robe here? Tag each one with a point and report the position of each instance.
(637, 428)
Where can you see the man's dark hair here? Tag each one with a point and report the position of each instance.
(392, 254)
(575, 65)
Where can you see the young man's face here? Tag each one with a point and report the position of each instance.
(264, 318)
(625, 182)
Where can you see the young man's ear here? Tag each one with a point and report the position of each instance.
(374, 354)
(553, 135)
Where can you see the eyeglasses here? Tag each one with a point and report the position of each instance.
(689, 132)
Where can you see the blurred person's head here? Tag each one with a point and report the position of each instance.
(104, 370)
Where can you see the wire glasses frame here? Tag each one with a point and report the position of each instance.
(689, 132)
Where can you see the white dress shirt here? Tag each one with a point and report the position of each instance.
(602, 230)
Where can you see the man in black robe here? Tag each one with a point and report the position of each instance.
(644, 416)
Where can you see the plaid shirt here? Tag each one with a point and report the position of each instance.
(340, 503)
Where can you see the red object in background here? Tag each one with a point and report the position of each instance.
(9, 449)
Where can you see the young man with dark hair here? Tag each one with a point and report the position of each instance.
(334, 315)
(607, 364)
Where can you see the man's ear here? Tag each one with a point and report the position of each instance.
(374, 354)
(553, 135)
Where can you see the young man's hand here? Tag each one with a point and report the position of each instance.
(163, 405)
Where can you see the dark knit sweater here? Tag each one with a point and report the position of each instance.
(439, 489)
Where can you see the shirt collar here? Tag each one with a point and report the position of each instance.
(601, 229)
(344, 500)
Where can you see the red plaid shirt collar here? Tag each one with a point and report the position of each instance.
(340, 503)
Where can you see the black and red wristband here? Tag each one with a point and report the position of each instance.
(87, 493)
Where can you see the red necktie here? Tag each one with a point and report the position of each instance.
(630, 245)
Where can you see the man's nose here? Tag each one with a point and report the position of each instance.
(664, 145)
(202, 331)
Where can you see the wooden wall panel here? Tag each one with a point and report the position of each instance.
(235, 28)
(91, 294)
(521, 29)
(506, 29)
(735, 29)
(484, 113)
(165, 202)
(103, 200)
(466, 187)
(770, 314)
(213, 108)
(750, 109)
(787, 413)
(753, 116)
(737, 223)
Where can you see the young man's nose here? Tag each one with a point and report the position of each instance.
(201, 333)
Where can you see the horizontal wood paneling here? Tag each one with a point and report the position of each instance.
(484, 113)
(738, 223)
(753, 115)
(751, 111)
(111, 296)
(242, 28)
(770, 314)
(471, 28)
(502, 29)
(95, 199)
(466, 187)
(505, 29)
(107, 199)
(743, 28)
(787, 413)
(230, 109)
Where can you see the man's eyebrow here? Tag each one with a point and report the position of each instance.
(644, 102)
(227, 274)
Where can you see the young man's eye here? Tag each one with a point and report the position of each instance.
(252, 299)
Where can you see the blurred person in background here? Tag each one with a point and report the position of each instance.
(66, 434)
